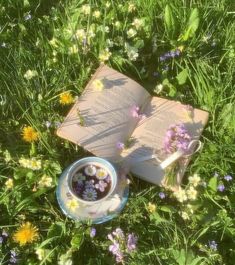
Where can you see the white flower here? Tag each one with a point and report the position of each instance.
(106, 29)
(30, 74)
(159, 88)
(42, 253)
(98, 85)
(101, 173)
(31, 163)
(45, 181)
(96, 14)
(137, 23)
(9, 184)
(107, 4)
(184, 215)
(192, 193)
(117, 24)
(109, 43)
(86, 9)
(104, 55)
(194, 180)
(53, 42)
(180, 195)
(132, 52)
(80, 34)
(90, 170)
(131, 7)
(131, 33)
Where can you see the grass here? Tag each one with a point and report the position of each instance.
(207, 40)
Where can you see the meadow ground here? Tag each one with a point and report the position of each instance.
(179, 49)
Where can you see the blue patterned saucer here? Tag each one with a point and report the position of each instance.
(99, 211)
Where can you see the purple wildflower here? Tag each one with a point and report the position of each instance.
(228, 177)
(118, 233)
(13, 258)
(120, 145)
(162, 195)
(177, 52)
(1, 239)
(221, 187)
(131, 242)
(162, 58)
(135, 111)
(212, 245)
(93, 232)
(114, 248)
(101, 185)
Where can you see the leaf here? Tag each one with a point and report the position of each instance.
(56, 230)
(213, 184)
(77, 240)
(182, 77)
(192, 25)
(170, 21)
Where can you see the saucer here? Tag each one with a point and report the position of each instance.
(98, 212)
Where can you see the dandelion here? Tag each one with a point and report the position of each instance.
(27, 233)
(101, 173)
(192, 193)
(180, 195)
(66, 98)
(72, 205)
(104, 55)
(30, 74)
(228, 178)
(29, 134)
(151, 207)
(131, 33)
(98, 85)
(45, 181)
(90, 170)
(221, 187)
(9, 184)
(93, 232)
(194, 180)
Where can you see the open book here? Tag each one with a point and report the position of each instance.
(102, 117)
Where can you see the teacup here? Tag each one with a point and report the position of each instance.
(91, 180)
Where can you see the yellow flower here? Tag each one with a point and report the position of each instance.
(27, 233)
(72, 204)
(151, 207)
(180, 195)
(66, 98)
(98, 85)
(9, 184)
(185, 215)
(104, 55)
(29, 134)
(45, 181)
(194, 180)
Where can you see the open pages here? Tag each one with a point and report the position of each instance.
(105, 112)
(149, 137)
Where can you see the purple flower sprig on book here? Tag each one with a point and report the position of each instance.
(135, 113)
(177, 138)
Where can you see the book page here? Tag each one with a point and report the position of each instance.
(149, 137)
(101, 117)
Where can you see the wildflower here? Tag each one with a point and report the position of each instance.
(90, 170)
(184, 215)
(30, 74)
(190, 208)
(66, 98)
(117, 24)
(180, 195)
(48, 124)
(216, 174)
(101, 185)
(98, 85)
(29, 134)
(9, 184)
(109, 43)
(120, 146)
(228, 178)
(131, 33)
(41, 253)
(162, 195)
(151, 207)
(86, 9)
(27, 17)
(73, 49)
(45, 181)
(13, 256)
(132, 52)
(96, 14)
(107, 4)
(194, 180)
(137, 23)
(221, 187)
(192, 193)
(30, 163)
(106, 29)
(3, 236)
(177, 138)
(131, 7)
(53, 42)
(212, 245)
(80, 34)
(104, 55)
(27, 233)
(131, 242)
(89, 194)
(101, 173)
(93, 232)
(72, 205)
(159, 88)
